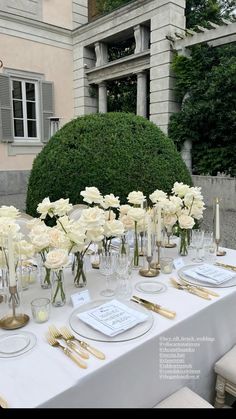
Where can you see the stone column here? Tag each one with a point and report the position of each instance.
(102, 97)
(163, 103)
(142, 37)
(142, 94)
(101, 53)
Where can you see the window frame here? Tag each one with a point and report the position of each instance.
(23, 82)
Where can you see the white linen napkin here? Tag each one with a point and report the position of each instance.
(209, 273)
(112, 318)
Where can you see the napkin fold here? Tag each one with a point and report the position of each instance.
(210, 274)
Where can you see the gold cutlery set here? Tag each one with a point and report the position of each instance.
(193, 289)
(75, 349)
(224, 265)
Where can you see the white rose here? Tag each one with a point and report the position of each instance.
(45, 207)
(77, 236)
(8, 225)
(62, 207)
(111, 201)
(9, 212)
(186, 222)
(57, 259)
(41, 241)
(24, 248)
(157, 196)
(58, 238)
(136, 214)
(34, 223)
(136, 198)
(113, 228)
(169, 220)
(92, 217)
(124, 209)
(196, 212)
(180, 189)
(92, 195)
(95, 235)
(128, 222)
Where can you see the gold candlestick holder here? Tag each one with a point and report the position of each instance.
(156, 265)
(218, 251)
(150, 272)
(169, 245)
(14, 321)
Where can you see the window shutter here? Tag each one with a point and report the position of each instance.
(6, 119)
(47, 108)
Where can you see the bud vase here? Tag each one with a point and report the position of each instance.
(184, 242)
(136, 246)
(58, 296)
(80, 279)
(45, 277)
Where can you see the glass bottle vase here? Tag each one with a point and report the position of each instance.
(58, 296)
(80, 279)
(184, 242)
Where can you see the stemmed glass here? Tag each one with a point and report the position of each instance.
(107, 266)
(197, 242)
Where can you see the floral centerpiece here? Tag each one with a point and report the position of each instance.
(181, 209)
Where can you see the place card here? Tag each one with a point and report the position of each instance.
(112, 318)
(80, 298)
(178, 263)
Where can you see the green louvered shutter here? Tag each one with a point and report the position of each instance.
(6, 119)
(47, 97)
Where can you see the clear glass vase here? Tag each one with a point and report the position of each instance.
(58, 296)
(80, 279)
(184, 242)
(45, 277)
(136, 246)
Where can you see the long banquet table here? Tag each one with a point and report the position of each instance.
(131, 375)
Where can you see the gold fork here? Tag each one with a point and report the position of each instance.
(66, 333)
(53, 342)
(190, 289)
(56, 334)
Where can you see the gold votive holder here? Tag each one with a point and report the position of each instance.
(149, 272)
(218, 251)
(14, 320)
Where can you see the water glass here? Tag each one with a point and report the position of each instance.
(40, 308)
(166, 265)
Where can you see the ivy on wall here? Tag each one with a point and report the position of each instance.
(206, 82)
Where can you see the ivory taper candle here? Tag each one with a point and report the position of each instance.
(217, 220)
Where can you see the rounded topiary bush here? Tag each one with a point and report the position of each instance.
(116, 152)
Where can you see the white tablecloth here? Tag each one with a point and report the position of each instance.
(130, 376)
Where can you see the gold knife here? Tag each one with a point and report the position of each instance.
(224, 265)
(154, 307)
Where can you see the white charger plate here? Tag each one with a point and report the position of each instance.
(192, 281)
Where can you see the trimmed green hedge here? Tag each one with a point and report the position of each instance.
(116, 152)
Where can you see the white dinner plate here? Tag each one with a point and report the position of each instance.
(86, 331)
(192, 281)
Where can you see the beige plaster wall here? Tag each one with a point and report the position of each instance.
(57, 12)
(56, 64)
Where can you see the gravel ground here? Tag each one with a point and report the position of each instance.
(228, 219)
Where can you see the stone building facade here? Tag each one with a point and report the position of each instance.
(54, 67)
